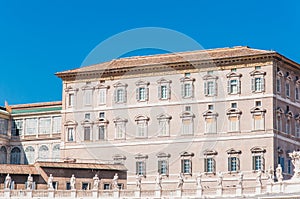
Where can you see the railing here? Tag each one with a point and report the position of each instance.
(62, 193)
(126, 193)
(40, 193)
(84, 193)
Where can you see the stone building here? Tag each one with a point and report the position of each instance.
(228, 110)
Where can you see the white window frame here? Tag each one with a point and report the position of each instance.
(210, 160)
(142, 91)
(210, 85)
(259, 153)
(164, 124)
(102, 94)
(163, 163)
(70, 124)
(164, 89)
(141, 164)
(120, 93)
(210, 118)
(187, 123)
(142, 126)
(258, 86)
(70, 91)
(186, 160)
(187, 87)
(258, 112)
(120, 128)
(233, 154)
(233, 76)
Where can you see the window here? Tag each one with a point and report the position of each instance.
(142, 91)
(209, 161)
(281, 162)
(288, 126)
(15, 156)
(70, 96)
(297, 128)
(233, 83)
(287, 89)
(3, 155)
(68, 186)
(101, 133)
(88, 97)
(297, 93)
(187, 108)
(120, 128)
(142, 126)
(44, 125)
(141, 164)
(289, 166)
(56, 152)
(258, 115)
(106, 186)
(210, 84)
(102, 96)
(31, 126)
(3, 126)
(44, 153)
(85, 186)
(17, 127)
(257, 103)
(211, 107)
(187, 118)
(56, 124)
(186, 163)
(257, 67)
(187, 87)
(29, 153)
(234, 124)
(164, 89)
(87, 116)
(164, 124)
(120, 93)
(234, 105)
(233, 160)
(102, 92)
(102, 115)
(210, 121)
(87, 133)
(278, 85)
(71, 134)
(258, 158)
(258, 81)
(71, 99)
(163, 163)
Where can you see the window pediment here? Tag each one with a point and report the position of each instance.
(280, 74)
(210, 113)
(187, 79)
(289, 114)
(233, 151)
(164, 116)
(209, 76)
(289, 78)
(186, 154)
(258, 110)
(118, 119)
(234, 74)
(210, 152)
(141, 156)
(86, 122)
(101, 121)
(297, 117)
(141, 118)
(258, 150)
(120, 84)
(279, 110)
(234, 111)
(87, 87)
(70, 123)
(187, 114)
(142, 83)
(257, 72)
(119, 157)
(163, 155)
(102, 86)
(163, 80)
(70, 89)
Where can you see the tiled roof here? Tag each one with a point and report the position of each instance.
(18, 169)
(119, 167)
(199, 55)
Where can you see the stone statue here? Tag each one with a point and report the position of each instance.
(270, 174)
(180, 181)
(72, 181)
(199, 180)
(50, 182)
(138, 181)
(96, 182)
(240, 179)
(279, 175)
(258, 177)
(7, 182)
(296, 162)
(29, 182)
(115, 181)
(220, 179)
(158, 180)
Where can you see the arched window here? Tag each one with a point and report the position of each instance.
(56, 152)
(15, 156)
(29, 152)
(3, 155)
(43, 152)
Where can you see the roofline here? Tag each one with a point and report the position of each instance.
(34, 105)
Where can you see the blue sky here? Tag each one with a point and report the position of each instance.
(39, 38)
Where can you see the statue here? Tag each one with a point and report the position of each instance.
(296, 162)
(7, 182)
(29, 182)
(180, 181)
(258, 177)
(279, 175)
(50, 182)
(115, 181)
(198, 180)
(240, 179)
(158, 179)
(138, 181)
(72, 181)
(270, 174)
(220, 179)
(95, 182)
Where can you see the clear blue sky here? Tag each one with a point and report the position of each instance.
(39, 38)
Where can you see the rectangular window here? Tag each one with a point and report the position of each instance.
(141, 129)
(164, 92)
(120, 95)
(211, 125)
(141, 94)
(233, 164)
(87, 133)
(209, 165)
(186, 166)
(297, 93)
(101, 135)
(186, 90)
(3, 126)
(85, 186)
(287, 89)
(233, 87)
(102, 115)
(281, 162)
(106, 186)
(102, 96)
(258, 123)
(163, 167)
(44, 125)
(289, 166)
(257, 162)
(68, 186)
(288, 126)
(210, 88)
(71, 99)
(163, 127)
(87, 116)
(88, 96)
(141, 168)
(297, 129)
(56, 124)
(120, 130)
(17, 127)
(258, 84)
(187, 127)
(278, 85)
(233, 124)
(30, 126)
(71, 134)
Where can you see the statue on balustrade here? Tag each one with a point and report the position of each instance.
(72, 182)
(220, 179)
(138, 179)
(29, 183)
(50, 182)
(258, 177)
(279, 175)
(158, 180)
(7, 182)
(115, 181)
(180, 181)
(199, 181)
(95, 182)
(240, 179)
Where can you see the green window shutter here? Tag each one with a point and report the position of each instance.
(159, 167)
(239, 86)
(115, 95)
(229, 163)
(137, 168)
(253, 163)
(237, 164)
(137, 94)
(214, 165)
(125, 95)
(263, 84)
(147, 94)
(205, 165)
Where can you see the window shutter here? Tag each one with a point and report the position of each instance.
(253, 84)
(205, 165)
(125, 95)
(215, 88)
(228, 86)
(169, 92)
(167, 167)
(190, 169)
(182, 89)
(137, 168)
(262, 163)
(263, 84)
(192, 90)
(159, 92)
(214, 165)
(253, 163)
(137, 94)
(237, 164)
(182, 166)
(205, 88)
(239, 86)
(144, 168)
(115, 95)
(229, 163)
(147, 94)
